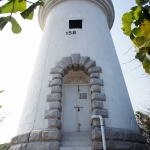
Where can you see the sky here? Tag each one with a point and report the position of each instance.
(17, 58)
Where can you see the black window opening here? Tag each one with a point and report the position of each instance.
(75, 24)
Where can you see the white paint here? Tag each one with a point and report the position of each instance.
(93, 40)
(74, 119)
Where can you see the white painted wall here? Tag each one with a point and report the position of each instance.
(92, 40)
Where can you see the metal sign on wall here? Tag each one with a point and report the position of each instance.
(82, 95)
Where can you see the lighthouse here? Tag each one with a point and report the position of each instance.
(77, 98)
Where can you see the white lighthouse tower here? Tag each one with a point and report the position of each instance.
(77, 79)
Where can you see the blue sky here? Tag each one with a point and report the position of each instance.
(17, 58)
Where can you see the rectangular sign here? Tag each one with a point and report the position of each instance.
(82, 95)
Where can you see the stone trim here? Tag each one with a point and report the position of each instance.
(37, 139)
(118, 139)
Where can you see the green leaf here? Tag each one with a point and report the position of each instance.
(15, 26)
(145, 29)
(140, 41)
(2, 91)
(137, 32)
(127, 17)
(28, 13)
(146, 67)
(127, 20)
(13, 6)
(137, 12)
(132, 37)
(0, 106)
(143, 55)
(3, 22)
(133, 8)
(142, 2)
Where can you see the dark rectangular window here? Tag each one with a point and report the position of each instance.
(75, 24)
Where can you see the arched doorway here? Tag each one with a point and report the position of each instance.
(76, 103)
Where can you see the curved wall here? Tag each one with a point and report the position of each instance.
(93, 40)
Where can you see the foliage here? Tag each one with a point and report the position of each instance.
(14, 6)
(0, 93)
(5, 146)
(143, 120)
(136, 25)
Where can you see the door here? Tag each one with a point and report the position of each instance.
(76, 108)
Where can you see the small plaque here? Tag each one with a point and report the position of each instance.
(82, 95)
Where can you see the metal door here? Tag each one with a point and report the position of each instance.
(76, 108)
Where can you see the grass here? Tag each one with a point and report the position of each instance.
(5, 146)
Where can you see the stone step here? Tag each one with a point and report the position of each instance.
(75, 148)
(77, 144)
(76, 134)
(82, 138)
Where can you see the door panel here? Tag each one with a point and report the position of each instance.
(69, 113)
(74, 118)
(84, 115)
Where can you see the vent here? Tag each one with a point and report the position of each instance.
(75, 24)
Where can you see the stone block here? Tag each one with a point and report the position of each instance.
(96, 88)
(140, 138)
(24, 146)
(138, 146)
(75, 61)
(94, 75)
(60, 64)
(95, 70)
(129, 136)
(16, 147)
(96, 134)
(107, 133)
(54, 97)
(23, 138)
(55, 82)
(44, 146)
(116, 134)
(56, 76)
(97, 145)
(56, 71)
(94, 81)
(67, 61)
(98, 96)
(35, 135)
(56, 89)
(83, 61)
(54, 123)
(51, 134)
(95, 123)
(55, 105)
(14, 140)
(102, 112)
(52, 113)
(97, 104)
(90, 64)
(118, 145)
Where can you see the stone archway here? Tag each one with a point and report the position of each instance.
(74, 63)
